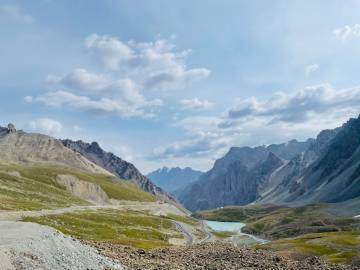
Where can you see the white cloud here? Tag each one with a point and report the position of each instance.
(109, 51)
(47, 126)
(155, 64)
(130, 69)
(311, 68)
(314, 101)
(66, 99)
(195, 104)
(13, 13)
(347, 32)
(82, 80)
(203, 145)
(99, 93)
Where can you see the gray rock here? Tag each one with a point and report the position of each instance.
(114, 164)
(11, 128)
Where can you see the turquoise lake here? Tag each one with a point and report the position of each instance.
(225, 226)
(239, 238)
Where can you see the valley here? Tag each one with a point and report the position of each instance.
(116, 218)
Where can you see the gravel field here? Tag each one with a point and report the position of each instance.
(31, 246)
(209, 256)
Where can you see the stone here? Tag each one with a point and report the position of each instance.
(11, 128)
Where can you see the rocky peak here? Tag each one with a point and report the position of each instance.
(114, 164)
(11, 128)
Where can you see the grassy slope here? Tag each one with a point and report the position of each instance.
(130, 228)
(337, 247)
(38, 189)
(314, 231)
(184, 219)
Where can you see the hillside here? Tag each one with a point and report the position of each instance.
(327, 172)
(36, 187)
(19, 147)
(117, 166)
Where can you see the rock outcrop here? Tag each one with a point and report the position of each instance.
(85, 190)
(11, 128)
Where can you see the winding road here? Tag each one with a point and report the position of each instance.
(209, 236)
(188, 235)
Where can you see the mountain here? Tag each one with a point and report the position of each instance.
(290, 149)
(20, 147)
(325, 169)
(235, 179)
(246, 174)
(116, 165)
(174, 179)
(329, 171)
(286, 178)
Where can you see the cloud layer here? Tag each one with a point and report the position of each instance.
(282, 117)
(195, 104)
(129, 69)
(157, 64)
(314, 101)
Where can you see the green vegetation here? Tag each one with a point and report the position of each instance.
(337, 247)
(223, 234)
(36, 188)
(123, 227)
(273, 222)
(184, 219)
(235, 213)
(313, 229)
(32, 193)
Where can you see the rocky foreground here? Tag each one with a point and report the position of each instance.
(209, 256)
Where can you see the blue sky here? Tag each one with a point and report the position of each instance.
(177, 83)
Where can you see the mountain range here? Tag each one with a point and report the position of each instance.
(325, 169)
(173, 180)
(19, 147)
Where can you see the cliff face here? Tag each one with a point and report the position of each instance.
(114, 164)
(231, 181)
(329, 171)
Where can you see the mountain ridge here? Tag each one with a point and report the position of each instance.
(117, 166)
(325, 169)
(174, 179)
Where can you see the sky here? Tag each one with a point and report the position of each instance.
(177, 83)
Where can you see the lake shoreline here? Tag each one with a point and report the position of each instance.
(239, 238)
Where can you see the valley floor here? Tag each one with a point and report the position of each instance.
(25, 245)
